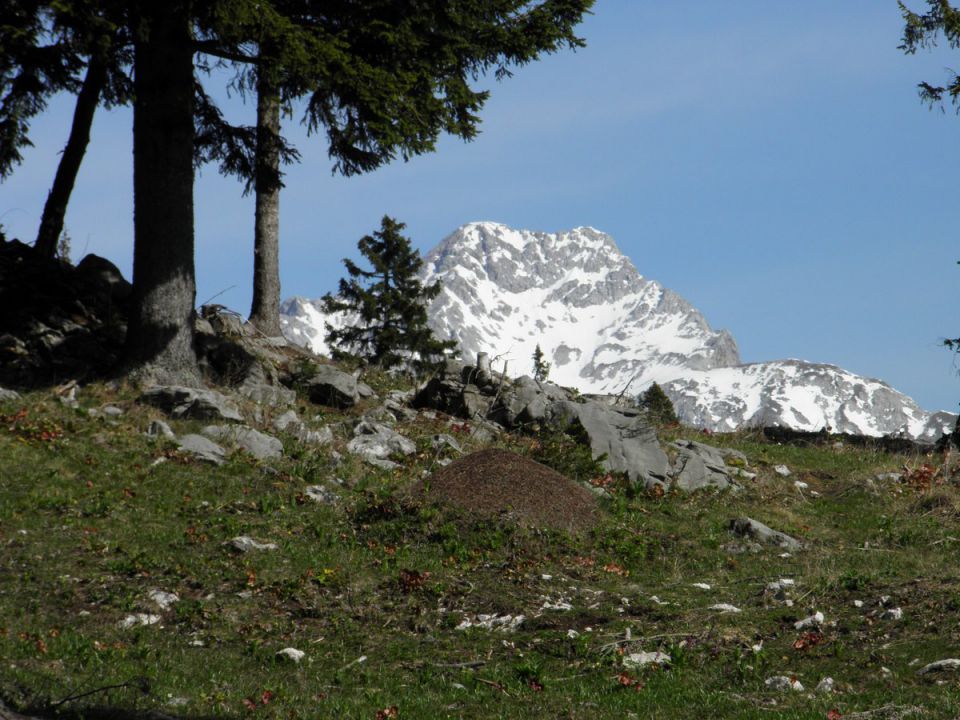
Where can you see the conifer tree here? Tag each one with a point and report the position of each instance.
(541, 368)
(389, 304)
(658, 407)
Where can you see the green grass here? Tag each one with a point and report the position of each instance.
(94, 515)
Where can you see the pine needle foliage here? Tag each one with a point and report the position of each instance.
(389, 303)
(541, 368)
(658, 407)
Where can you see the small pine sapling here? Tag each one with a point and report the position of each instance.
(658, 407)
(388, 305)
(541, 368)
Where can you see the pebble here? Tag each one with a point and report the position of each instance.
(782, 470)
(782, 682)
(244, 543)
(825, 685)
(163, 599)
(724, 608)
(641, 659)
(138, 619)
(291, 654)
(813, 621)
(940, 666)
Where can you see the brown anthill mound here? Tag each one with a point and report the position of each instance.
(497, 482)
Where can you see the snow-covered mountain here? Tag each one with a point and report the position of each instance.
(604, 327)
(803, 396)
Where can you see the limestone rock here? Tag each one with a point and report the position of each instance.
(158, 428)
(245, 543)
(375, 441)
(8, 395)
(749, 528)
(258, 444)
(699, 466)
(202, 449)
(333, 388)
(629, 443)
(184, 402)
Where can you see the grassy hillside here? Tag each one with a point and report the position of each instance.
(379, 588)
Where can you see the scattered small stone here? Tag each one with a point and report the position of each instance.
(725, 608)
(657, 601)
(111, 411)
(502, 623)
(544, 576)
(814, 620)
(701, 585)
(572, 634)
(946, 665)
(244, 543)
(138, 619)
(825, 685)
(176, 701)
(443, 441)
(320, 494)
(782, 470)
(642, 659)
(783, 682)
(163, 599)
(892, 614)
(800, 485)
(291, 654)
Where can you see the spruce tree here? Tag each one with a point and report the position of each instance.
(389, 304)
(541, 368)
(658, 407)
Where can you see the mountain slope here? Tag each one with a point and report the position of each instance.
(605, 329)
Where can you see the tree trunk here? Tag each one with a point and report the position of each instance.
(160, 337)
(55, 209)
(265, 311)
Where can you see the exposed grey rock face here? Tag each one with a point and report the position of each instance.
(333, 387)
(629, 443)
(202, 449)
(8, 395)
(184, 402)
(699, 466)
(258, 444)
(748, 528)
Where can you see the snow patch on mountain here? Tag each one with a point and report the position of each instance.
(606, 329)
(803, 396)
(600, 323)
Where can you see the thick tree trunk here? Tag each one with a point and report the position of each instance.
(55, 209)
(160, 338)
(265, 311)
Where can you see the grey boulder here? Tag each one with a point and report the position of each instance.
(333, 388)
(8, 395)
(375, 441)
(183, 402)
(258, 444)
(757, 531)
(630, 444)
(202, 449)
(700, 466)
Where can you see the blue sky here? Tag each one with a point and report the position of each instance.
(769, 161)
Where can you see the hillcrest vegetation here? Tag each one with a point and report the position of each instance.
(308, 542)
